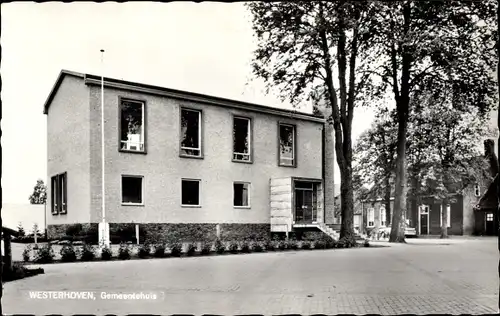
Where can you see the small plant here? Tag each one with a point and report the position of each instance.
(366, 243)
(144, 251)
(159, 250)
(124, 252)
(320, 244)
(68, 253)
(44, 254)
(258, 247)
(220, 248)
(306, 245)
(191, 249)
(292, 244)
(88, 253)
(233, 247)
(269, 244)
(282, 245)
(106, 253)
(206, 248)
(245, 247)
(27, 253)
(20, 230)
(176, 249)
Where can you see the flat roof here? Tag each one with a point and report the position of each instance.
(177, 94)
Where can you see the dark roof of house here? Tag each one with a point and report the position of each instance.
(177, 94)
(489, 199)
(12, 232)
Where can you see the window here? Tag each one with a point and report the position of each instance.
(132, 126)
(382, 216)
(371, 217)
(477, 190)
(190, 192)
(241, 194)
(286, 145)
(59, 200)
(448, 216)
(424, 209)
(242, 139)
(131, 190)
(191, 133)
(489, 217)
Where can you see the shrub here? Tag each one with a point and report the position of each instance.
(306, 245)
(176, 249)
(233, 247)
(320, 244)
(74, 230)
(292, 244)
(88, 253)
(27, 253)
(220, 248)
(245, 247)
(68, 253)
(44, 254)
(18, 272)
(366, 243)
(124, 252)
(269, 244)
(159, 250)
(282, 244)
(206, 248)
(191, 249)
(144, 251)
(258, 247)
(106, 253)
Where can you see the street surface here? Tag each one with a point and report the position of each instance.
(456, 276)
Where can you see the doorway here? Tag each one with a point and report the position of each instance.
(424, 219)
(305, 202)
(490, 226)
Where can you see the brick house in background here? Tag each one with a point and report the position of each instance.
(180, 163)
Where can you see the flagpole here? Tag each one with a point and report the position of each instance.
(104, 237)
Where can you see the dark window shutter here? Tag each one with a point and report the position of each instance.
(64, 191)
(53, 195)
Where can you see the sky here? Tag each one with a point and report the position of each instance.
(198, 47)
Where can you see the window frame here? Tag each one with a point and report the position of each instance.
(58, 196)
(142, 190)
(249, 189)
(488, 216)
(199, 193)
(477, 190)
(121, 99)
(250, 140)
(382, 219)
(368, 221)
(200, 133)
(294, 145)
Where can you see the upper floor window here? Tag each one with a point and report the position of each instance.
(132, 123)
(477, 190)
(191, 133)
(371, 217)
(59, 200)
(242, 139)
(287, 145)
(383, 216)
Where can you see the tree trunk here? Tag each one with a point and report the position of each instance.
(444, 221)
(387, 200)
(347, 208)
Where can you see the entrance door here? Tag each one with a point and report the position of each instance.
(424, 227)
(490, 224)
(304, 210)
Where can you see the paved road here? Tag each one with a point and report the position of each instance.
(417, 278)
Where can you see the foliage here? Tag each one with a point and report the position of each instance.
(74, 230)
(20, 230)
(320, 244)
(206, 248)
(191, 249)
(220, 248)
(68, 253)
(245, 247)
(106, 253)
(269, 244)
(144, 251)
(124, 252)
(88, 253)
(258, 246)
(39, 195)
(306, 245)
(233, 247)
(27, 253)
(292, 244)
(176, 249)
(44, 254)
(159, 250)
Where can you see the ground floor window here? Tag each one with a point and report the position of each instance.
(190, 192)
(371, 217)
(59, 200)
(132, 190)
(383, 221)
(241, 194)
